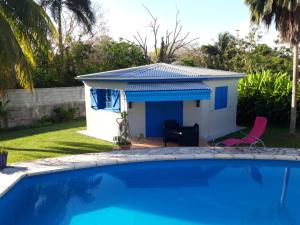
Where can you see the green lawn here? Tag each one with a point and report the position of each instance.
(62, 139)
(50, 141)
(275, 137)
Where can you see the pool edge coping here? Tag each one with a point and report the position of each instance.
(10, 176)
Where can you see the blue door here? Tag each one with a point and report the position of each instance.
(158, 112)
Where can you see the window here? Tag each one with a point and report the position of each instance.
(108, 97)
(105, 99)
(221, 94)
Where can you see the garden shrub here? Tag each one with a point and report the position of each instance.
(62, 114)
(265, 94)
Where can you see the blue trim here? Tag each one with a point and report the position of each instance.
(144, 96)
(221, 96)
(158, 112)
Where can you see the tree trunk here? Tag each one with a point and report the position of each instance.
(60, 44)
(294, 91)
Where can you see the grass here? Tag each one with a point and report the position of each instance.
(50, 141)
(274, 137)
(62, 139)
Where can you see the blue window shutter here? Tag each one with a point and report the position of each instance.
(221, 95)
(101, 98)
(94, 98)
(116, 100)
(97, 98)
(218, 93)
(224, 96)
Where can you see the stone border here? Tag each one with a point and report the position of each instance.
(11, 175)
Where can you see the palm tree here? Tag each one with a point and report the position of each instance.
(4, 112)
(219, 51)
(24, 31)
(286, 16)
(82, 11)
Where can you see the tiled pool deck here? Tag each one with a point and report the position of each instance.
(11, 175)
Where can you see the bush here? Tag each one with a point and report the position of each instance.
(265, 94)
(3, 151)
(62, 114)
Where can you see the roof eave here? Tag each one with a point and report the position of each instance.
(81, 78)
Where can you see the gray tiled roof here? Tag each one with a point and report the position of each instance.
(166, 86)
(160, 71)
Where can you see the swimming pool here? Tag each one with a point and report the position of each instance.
(186, 192)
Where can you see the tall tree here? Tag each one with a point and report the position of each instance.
(24, 30)
(82, 11)
(173, 40)
(220, 52)
(286, 16)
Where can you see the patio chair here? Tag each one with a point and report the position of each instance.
(253, 138)
(171, 131)
(189, 136)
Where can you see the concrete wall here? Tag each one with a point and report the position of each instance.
(27, 107)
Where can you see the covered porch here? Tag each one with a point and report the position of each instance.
(151, 104)
(158, 143)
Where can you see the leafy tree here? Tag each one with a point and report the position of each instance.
(285, 15)
(238, 54)
(24, 30)
(87, 57)
(121, 54)
(162, 51)
(82, 11)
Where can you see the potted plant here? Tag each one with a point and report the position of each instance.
(123, 139)
(123, 143)
(3, 158)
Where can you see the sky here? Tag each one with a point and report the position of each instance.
(202, 18)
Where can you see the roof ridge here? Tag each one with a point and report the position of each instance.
(116, 70)
(185, 67)
(177, 67)
(141, 69)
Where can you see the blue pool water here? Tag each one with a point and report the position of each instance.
(190, 192)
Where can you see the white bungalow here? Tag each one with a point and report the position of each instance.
(154, 93)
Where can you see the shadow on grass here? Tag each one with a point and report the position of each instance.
(68, 148)
(25, 132)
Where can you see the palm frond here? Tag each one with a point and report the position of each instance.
(82, 10)
(25, 30)
(285, 14)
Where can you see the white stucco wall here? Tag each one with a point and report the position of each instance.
(137, 119)
(193, 114)
(217, 123)
(102, 123)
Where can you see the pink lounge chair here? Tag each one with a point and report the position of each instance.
(253, 138)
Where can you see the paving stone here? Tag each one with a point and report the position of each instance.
(15, 172)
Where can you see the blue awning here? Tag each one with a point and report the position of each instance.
(144, 92)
